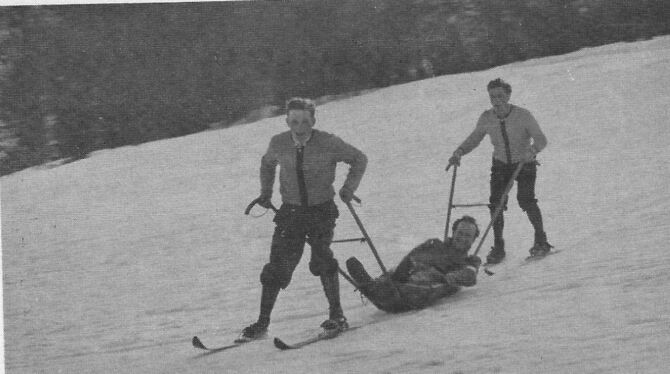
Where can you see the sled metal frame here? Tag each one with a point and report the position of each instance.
(452, 205)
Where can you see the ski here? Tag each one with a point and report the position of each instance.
(487, 267)
(538, 258)
(198, 344)
(324, 335)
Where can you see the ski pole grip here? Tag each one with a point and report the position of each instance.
(356, 199)
(251, 205)
(254, 202)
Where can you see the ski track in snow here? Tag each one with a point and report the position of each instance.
(113, 263)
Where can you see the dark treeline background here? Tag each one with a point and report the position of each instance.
(74, 79)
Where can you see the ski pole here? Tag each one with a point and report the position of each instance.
(451, 200)
(501, 204)
(365, 234)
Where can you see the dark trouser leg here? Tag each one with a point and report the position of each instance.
(331, 287)
(500, 176)
(528, 202)
(358, 272)
(322, 263)
(285, 253)
(385, 295)
(535, 218)
(381, 291)
(498, 226)
(401, 272)
(268, 298)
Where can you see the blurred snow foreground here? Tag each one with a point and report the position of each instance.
(113, 263)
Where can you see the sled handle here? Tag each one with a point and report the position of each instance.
(451, 205)
(365, 234)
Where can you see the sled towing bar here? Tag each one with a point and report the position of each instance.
(467, 205)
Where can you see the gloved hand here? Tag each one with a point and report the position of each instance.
(455, 159)
(474, 261)
(346, 194)
(529, 156)
(451, 279)
(265, 201)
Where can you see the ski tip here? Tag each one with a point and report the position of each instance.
(539, 257)
(197, 343)
(281, 345)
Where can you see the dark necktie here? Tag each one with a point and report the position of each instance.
(508, 153)
(503, 130)
(302, 186)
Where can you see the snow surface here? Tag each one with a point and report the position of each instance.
(113, 263)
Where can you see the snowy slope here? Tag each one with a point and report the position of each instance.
(113, 263)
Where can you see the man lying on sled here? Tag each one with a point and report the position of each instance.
(431, 271)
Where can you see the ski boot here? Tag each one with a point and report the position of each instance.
(254, 331)
(497, 253)
(540, 249)
(338, 324)
(336, 321)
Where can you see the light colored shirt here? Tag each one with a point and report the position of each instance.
(521, 127)
(321, 153)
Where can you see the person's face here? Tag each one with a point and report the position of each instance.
(499, 97)
(464, 235)
(300, 121)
